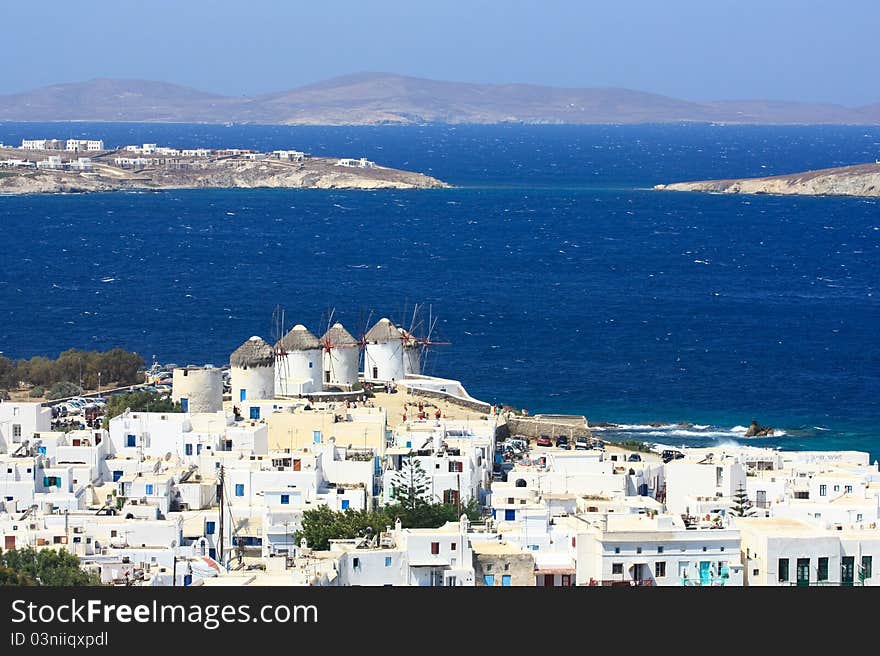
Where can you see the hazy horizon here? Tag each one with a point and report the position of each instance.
(790, 50)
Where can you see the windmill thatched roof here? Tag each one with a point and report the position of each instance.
(253, 353)
(338, 336)
(299, 338)
(383, 331)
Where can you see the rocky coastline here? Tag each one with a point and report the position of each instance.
(857, 180)
(213, 173)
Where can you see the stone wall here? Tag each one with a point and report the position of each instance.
(470, 404)
(532, 427)
(519, 566)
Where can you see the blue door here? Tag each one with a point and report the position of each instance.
(255, 412)
(705, 572)
(505, 580)
(242, 395)
(489, 579)
(184, 404)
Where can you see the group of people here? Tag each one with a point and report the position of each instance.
(423, 412)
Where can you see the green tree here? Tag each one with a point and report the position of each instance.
(410, 484)
(322, 524)
(138, 402)
(741, 507)
(47, 567)
(63, 389)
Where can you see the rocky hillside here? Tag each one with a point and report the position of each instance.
(858, 180)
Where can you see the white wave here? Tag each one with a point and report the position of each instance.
(700, 426)
(739, 429)
(821, 428)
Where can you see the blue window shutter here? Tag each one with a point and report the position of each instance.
(242, 394)
(149, 488)
(209, 528)
(489, 579)
(239, 489)
(345, 504)
(510, 515)
(188, 449)
(198, 449)
(117, 474)
(255, 412)
(285, 498)
(505, 579)
(131, 440)
(316, 436)
(387, 561)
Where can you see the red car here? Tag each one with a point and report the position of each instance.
(544, 440)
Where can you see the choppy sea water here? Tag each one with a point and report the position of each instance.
(563, 283)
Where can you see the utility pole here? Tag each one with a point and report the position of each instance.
(174, 572)
(220, 498)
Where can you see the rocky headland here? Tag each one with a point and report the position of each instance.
(858, 180)
(210, 172)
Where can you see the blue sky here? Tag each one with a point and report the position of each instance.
(808, 50)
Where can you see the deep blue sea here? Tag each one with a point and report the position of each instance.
(563, 283)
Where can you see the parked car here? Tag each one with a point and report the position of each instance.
(669, 455)
(582, 443)
(634, 457)
(544, 440)
(562, 442)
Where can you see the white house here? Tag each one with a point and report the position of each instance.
(648, 550)
(19, 422)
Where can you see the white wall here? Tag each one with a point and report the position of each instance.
(299, 372)
(201, 388)
(258, 383)
(342, 363)
(387, 358)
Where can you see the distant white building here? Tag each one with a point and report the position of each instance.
(51, 162)
(362, 163)
(81, 164)
(40, 144)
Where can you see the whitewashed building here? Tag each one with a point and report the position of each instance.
(341, 357)
(252, 371)
(19, 422)
(299, 362)
(198, 389)
(383, 353)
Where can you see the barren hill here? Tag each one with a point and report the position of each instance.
(384, 98)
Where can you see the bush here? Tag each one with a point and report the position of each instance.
(37, 392)
(64, 389)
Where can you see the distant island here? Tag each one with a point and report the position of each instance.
(858, 180)
(389, 99)
(79, 165)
